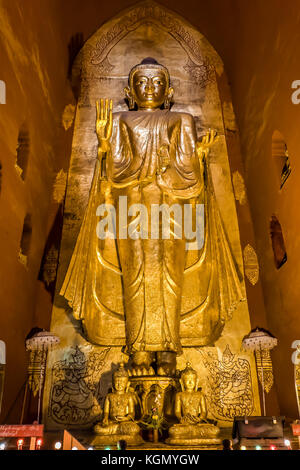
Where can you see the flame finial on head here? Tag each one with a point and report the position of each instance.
(188, 370)
(227, 354)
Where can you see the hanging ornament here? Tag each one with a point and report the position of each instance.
(263, 360)
(260, 340)
(38, 345)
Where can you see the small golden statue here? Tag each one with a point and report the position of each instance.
(119, 413)
(190, 409)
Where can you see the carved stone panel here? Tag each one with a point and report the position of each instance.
(251, 264)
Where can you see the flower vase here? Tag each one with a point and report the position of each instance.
(155, 435)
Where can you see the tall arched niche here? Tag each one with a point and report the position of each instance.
(101, 71)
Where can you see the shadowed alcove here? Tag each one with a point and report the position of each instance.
(280, 158)
(25, 240)
(278, 245)
(23, 151)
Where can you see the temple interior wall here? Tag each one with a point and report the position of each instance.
(34, 67)
(267, 38)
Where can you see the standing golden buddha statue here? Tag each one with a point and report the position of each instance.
(152, 293)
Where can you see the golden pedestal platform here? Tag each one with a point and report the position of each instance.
(88, 439)
(203, 434)
(156, 392)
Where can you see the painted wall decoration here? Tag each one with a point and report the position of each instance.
(251, 264)
(101, 70)
(75, 397)
(230, 385)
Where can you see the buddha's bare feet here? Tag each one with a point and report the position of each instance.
(166, 363)
(141, 363)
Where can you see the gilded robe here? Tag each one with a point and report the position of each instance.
(152, 294)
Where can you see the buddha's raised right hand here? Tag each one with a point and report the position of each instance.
(104, 122)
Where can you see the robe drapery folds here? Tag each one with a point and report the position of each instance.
(152, 294)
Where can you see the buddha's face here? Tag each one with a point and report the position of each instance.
(120, 383)
(189, 381)
(149, 88)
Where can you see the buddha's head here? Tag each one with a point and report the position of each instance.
(149, 86)
(189, 380)
(120, 379)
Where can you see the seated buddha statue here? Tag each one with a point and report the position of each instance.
(193, 428)
(119, 413)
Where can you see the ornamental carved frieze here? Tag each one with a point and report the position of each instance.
(75, 397)
(251, 264)
(200, 74)
(148, 12)
(68, 116)
(239, 188)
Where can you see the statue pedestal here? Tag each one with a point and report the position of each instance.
(156, 392)
(194, 435)
(128, 431)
